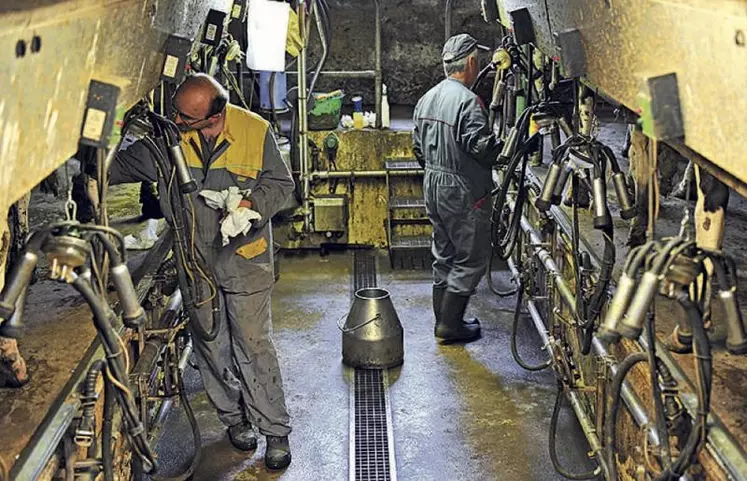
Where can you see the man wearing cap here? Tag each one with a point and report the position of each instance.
(454, 143)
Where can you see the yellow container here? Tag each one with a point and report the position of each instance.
(358, 120)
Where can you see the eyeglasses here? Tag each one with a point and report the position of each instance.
(188, 119)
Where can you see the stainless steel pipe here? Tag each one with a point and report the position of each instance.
(303, 141)
(725, 449)
(349, 74)
(547, 260)
(378, 80)
(343, 174)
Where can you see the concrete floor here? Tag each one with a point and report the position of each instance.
(459, 413)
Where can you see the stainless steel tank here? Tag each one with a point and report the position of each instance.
(372, 335)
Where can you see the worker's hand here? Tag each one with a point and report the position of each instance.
(246, 203)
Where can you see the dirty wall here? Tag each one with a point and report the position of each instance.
(412, 38)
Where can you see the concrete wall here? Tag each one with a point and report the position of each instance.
(412, 38)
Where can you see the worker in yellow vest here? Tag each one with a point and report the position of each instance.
(226, 146)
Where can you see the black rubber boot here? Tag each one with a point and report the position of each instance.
(438, 296)
(278, 453)
(452, 327)
(242, 436)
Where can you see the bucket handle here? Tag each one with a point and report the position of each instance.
(351, 329)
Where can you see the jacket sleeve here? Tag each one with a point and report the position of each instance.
(133, 163)
(417, 146)
(275, 183)
(475, 136)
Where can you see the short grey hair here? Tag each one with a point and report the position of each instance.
(458, 66)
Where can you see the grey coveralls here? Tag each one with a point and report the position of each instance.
(239, 368)
(454, 143)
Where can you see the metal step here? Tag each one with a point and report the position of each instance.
(410, 242)
(407, 203)
(413, 221)
(402, 164)
(410, 252)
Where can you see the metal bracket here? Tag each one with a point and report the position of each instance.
(659, 108)
(523, 27)
(571, 53)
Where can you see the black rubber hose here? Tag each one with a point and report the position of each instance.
(598, 297)
(89, 402)
(610, 428)
(136, 430)
(507, 243)
(553, 448)
(190, 471)
(189, 298)
(636, 257)
(719, 270)
(107, 432)
(610, 155)
(653, 366)
(703, 360)
(491, 283)
(114, 257)
(481, 76)
(514, 347)
(181, 237)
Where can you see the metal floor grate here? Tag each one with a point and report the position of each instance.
(371, 446)
(371, 441)
(364, 269)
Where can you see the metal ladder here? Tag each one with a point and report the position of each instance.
(409, 238)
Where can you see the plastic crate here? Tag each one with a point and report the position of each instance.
(327, 110)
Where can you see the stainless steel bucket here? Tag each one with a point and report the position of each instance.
(372, 336)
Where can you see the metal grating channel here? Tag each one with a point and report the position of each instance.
(371, 442)
(364, 269)
(372, 449)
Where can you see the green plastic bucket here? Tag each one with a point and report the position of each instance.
(326, 112)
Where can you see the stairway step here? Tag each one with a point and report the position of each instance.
(402, 164)
(412, 220)
(410, 242)
(407, 203)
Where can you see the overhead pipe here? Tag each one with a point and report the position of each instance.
(349, 73)
(378, 79)
(344, 174)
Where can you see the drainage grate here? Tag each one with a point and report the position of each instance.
(371, 442)
(364, 269)
(371, 445)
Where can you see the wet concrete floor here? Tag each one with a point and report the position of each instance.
(459, 412)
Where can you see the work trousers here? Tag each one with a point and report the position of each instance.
(240, 368)
(461, 232)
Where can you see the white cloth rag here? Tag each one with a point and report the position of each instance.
(237, 220)
(146, 238)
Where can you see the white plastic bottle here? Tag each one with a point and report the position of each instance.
(385, 121)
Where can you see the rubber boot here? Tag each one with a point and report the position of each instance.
(278, 453)
(452, 326)
(438, 296)
(242, 436)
